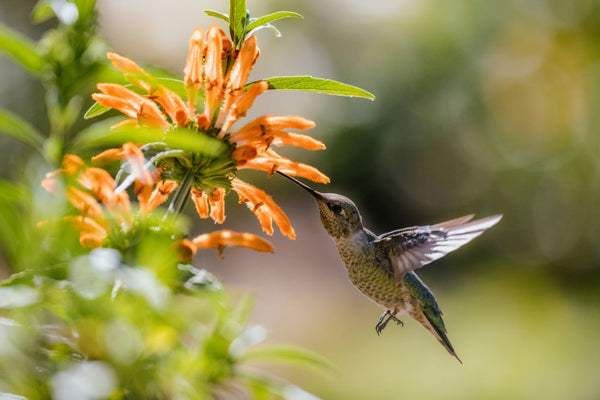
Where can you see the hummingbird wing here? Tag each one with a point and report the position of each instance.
(412, 248)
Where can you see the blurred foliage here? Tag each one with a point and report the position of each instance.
(68, 60)
(126, 322)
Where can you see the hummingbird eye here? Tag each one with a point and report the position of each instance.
(336, 208)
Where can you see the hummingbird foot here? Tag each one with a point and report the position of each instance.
(383, 321)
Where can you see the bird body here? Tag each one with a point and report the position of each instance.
(381, 266)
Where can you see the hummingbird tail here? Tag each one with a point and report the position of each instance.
(436, 326)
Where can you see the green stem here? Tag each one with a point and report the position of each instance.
(182, 193)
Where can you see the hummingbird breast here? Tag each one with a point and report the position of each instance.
(371, 272)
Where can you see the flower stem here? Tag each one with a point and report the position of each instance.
(181, 194)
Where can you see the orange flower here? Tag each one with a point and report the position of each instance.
(101, 211)
(95, 185)
(220, 74)
(263, 206)
(131, 104)
(220, 239)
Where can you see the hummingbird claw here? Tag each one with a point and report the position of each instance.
(383, 321)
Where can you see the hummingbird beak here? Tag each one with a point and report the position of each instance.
(310, 190)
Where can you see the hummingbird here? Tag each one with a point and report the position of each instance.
(382, 266)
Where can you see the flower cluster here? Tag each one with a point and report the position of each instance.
(215, 81)
(105, 218)
(216, 96)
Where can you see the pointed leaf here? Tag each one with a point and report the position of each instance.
(21, 49)
(42, 12)
(318, 85)
(270, 18)
(89, 137)
(95, 110)
(266, 26)
(15, 126)
(288, 354)
(217, 14)
(237, 21)
(100, 135)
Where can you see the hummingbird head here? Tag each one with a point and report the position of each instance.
(339, 214)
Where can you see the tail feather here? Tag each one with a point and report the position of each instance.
(436, 326)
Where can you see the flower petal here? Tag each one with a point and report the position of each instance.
(244, 153)
(109, 155)
(72, 163)
(213, 70)
(91, 234)
(270, 162)
(200, 200)
(91, 240)
(263, 206)
(236, 80)
(133, 73)
(220, 239)
(159, 195)
(172, 104)
(99, 182)
(192, 71)
(268, 123)
(186, 249)
(137, 161)
(241, 105)
(217, 205)
(130, 103)
(85, 203)
(50, 181)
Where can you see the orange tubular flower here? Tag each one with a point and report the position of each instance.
(96, 221)
(219, 75)
(186, 249)
(158, 196)
(263, 206)
(220, 239)
(93, 222)
(131, 104)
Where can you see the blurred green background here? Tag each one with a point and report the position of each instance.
(482, 107)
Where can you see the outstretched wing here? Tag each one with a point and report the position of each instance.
(412, 248)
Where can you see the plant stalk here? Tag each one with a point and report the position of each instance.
(181, 194)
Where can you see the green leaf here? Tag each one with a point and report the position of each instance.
(237, 21)
(177, 86)
(42, 12)
(14, 201)
(268, 26)
(185, 139)
(288, 354)
(100, 135)
(217, 14)
(263, 387)
(21, 49)
(9, 192)
(13, 125)
(95, 110)
(318, 85)
(266, 19)
(93, 135)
